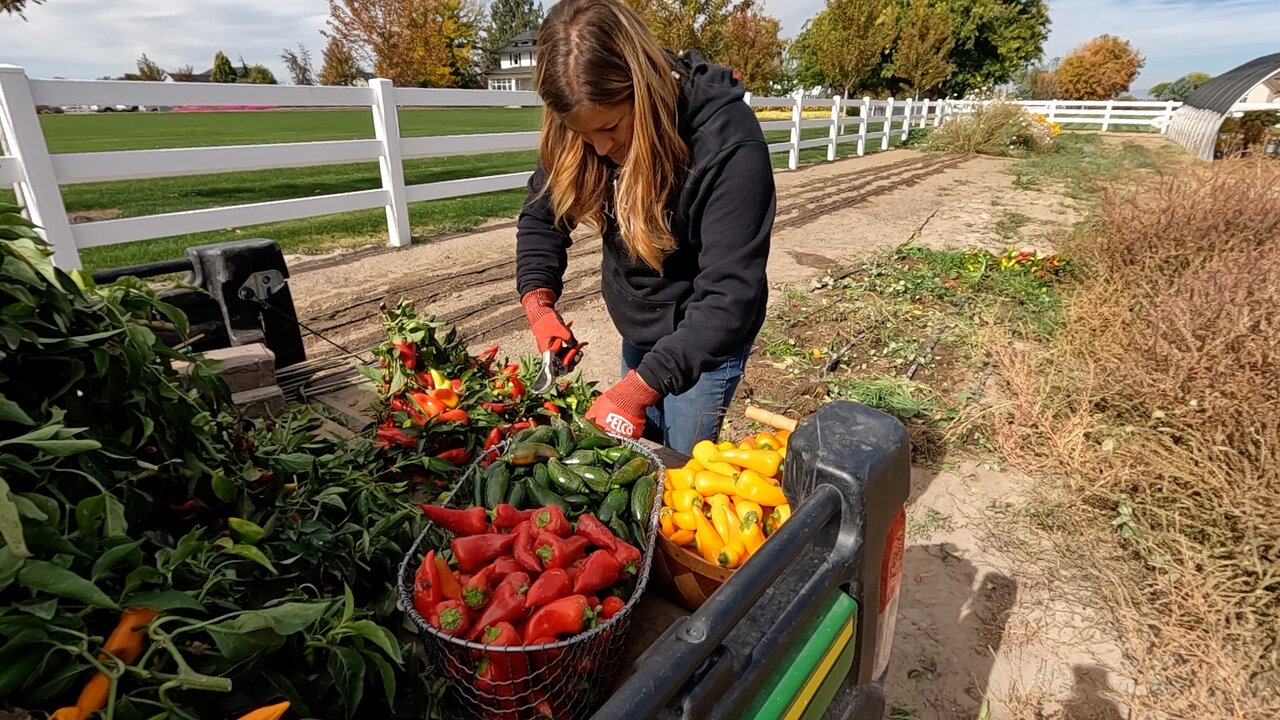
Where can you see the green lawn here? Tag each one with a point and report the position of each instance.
(132, 131)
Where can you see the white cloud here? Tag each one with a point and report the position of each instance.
(89, 38)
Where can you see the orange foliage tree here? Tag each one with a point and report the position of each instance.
(753, 46)
(1100, 69)
(410, 42)
(689, 24)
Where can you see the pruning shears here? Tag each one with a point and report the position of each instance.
(556, 363)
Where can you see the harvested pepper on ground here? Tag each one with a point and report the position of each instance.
(472, 521)
(455, 456)
(408, 353)
(473, 552)
(600, 571)
(451, 617)
(447, 395)
(457, 415)
(527, 453)
(565, 617)
(549, 587)
(388, 436)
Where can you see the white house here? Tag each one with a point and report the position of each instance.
(516, 61)
(1267, 91)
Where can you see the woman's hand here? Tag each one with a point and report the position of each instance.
(621, 409)
(549, 329)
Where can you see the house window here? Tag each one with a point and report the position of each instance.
(515, 59)
(502, 84)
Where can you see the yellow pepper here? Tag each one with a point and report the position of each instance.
(680, 478)
(720, 519)
(754, 487)
(683, 537)
(783, 436)
(694, 466)
(666, 499)
(744, 445)
(732, 555)
(704, 452)
(767, 441)
(752, 536)
(710, 483)
(748, 510)
(725, 445)
(765, 462)
(668, 525)
(686, 520)
(779, 516)
(783, 452)
(709, 544)
(686, 500)
(439, 379)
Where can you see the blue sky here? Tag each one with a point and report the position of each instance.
(90, 38)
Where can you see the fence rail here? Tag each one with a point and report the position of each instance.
(36, 174)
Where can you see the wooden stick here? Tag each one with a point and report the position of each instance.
(772, 419)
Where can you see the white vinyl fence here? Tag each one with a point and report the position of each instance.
(36, 174)
(1105, 115)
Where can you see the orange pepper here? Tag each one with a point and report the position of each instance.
(779, 516)
(683, 537)
(125, 643)
(446, 395)
(668, 524)
(450, 588)
(767, 441)
(783, 436)
(270, 712)
(749, 511)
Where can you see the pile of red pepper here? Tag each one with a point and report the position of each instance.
(520, 578)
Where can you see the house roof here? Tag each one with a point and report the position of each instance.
(521, 71)
(527, 40)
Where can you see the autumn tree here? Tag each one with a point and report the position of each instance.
(753, 47)
(340, 66)
(411, 42)
(222, 71)
(507, 19)
(148, 70)
(1038, 81)
(460, 24)
(922, 55)
(298, 65)
(689, 24)
(800, 63)
(1100, 69)
(993, 41)
(183, 73)
(849, 36)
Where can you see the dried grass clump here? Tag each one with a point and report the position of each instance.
(1160, 403)
(1000, 129)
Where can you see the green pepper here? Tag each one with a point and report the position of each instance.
(530, 453)
(564, 440)
(614, 503)
(522, 436)
(497, 486)
(620, 529)
(577, 501)
(631, 472)
(515, 498)
(619, 455)
(587, 429)
(541, 477)
(541, 434)
(544, 496)
(640, 535)
(565, 480)
(642, 498)
(594, 477)
(596, 442)
(582, 457)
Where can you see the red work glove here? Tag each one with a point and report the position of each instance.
(548, 327)
(620, 410)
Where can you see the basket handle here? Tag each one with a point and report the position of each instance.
(772, 419)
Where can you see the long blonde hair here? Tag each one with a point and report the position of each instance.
(598, 53)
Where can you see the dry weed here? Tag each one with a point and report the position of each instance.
(1160, 405)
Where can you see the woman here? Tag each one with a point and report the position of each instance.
(661, 155)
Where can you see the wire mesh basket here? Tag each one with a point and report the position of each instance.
(561, 680)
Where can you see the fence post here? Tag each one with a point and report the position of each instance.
(888, 124)
(797, 115)
(865, 114)
(906, 120)
(1106, 118)
(924, 114)
(836, 112)
(942, 111)
(1053, 110)
(746, 98)
(386, 129)
(1167, 118)
(21, 127)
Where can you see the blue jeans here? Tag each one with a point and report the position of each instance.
(680, 421)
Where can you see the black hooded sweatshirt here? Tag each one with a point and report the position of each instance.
(710, 299)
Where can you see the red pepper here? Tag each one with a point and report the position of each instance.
(451, 617)
(597, 532)
(477, 591)
(391, 436)
(497, 408)
(426, 586)
(457, 415)
(457, 385)
(507, 606)
(575, 569)
(522, 548)
(551, 519)
(503, 674)
(450, 588)
(556, 552)
(472, 521)
(507, 516)
(519, 580)
(430, 406)
(566, 616)
(600, 571)
(551, 408)
(628, 557)
(612, 606)
(456, 456)
(425, 380)
(494, 437)
(549, 587)
(408, 353)
(506, 565)
(473, 552)
(488, 356)
(517, 388)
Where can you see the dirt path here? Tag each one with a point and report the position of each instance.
(979, 625)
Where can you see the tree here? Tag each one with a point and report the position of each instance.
(802, 69)
(184, 73)
(411, 42)
(260, 75)
(1179, 90)
(1038, 81)
(689, 24)
(460, 23)
(507, 19)
(298, 65)
(753, 47)
(340, 66)
(222, 71)
(1100, 69)
(922, 56)
(849, 37)
(16, 7)
(148, 70)
(994, 40)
